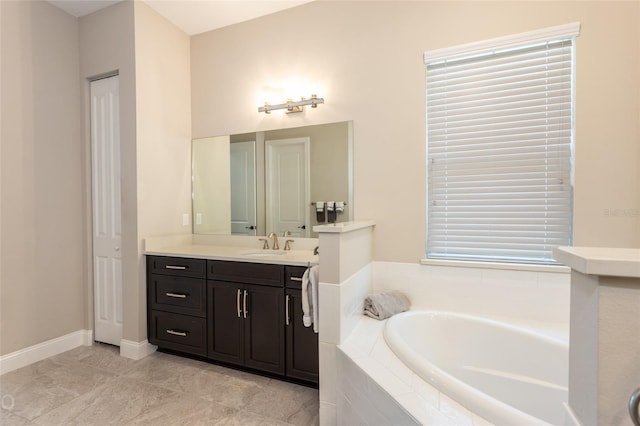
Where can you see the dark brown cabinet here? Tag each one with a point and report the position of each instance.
(240, 313)
(301, 341)
(248, 298)
(176, 289)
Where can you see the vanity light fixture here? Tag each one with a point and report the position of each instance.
(291, 106)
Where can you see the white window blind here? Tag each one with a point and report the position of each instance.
(499, 146)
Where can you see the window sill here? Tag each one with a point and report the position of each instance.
(495, 265)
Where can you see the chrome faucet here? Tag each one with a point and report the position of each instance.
(275, 241)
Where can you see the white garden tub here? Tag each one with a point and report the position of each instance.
(504, 373)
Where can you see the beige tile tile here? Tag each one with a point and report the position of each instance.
(7, 418)
(38, 368)
(232, 393)
(244, 418)
(35, 394)
(184, 410)
(239, 374)
(286, 402)
(115, 403)
(179, 377)
(95, 386)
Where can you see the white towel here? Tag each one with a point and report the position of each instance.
(310, 298)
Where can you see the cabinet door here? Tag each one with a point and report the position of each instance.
(264, 329)
(302, 342)
(225, 321)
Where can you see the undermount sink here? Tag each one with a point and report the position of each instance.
(264, 253)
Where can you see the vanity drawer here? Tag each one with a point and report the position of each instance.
(246, 272)
(181, 295)
(177, 266)
(293, 276)
(179, 332)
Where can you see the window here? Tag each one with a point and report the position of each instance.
(499, 147)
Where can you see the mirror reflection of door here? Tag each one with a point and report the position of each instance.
(243, 188)
(287, 186)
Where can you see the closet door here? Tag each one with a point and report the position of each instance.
(105, 194)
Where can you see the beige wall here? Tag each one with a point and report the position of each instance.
(365, 59)
(106, 46)
(48, 59)
(42, 288)
(152, 58)
(163, 119)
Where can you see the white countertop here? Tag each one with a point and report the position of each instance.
(342, 227)
(617, 262)
(247, 249)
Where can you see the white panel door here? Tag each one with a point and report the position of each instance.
(243, 188)
(107, 238)
(287, 186)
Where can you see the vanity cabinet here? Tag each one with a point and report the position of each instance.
(176, 296)
(246, 315)
(301, 341)
(240, 313)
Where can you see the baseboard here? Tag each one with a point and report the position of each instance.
(136, 350)
(35, 353)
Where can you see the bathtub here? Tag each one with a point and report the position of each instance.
(504, 373)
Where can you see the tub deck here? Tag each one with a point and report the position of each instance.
(375, 387)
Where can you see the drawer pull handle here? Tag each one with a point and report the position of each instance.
(238, 302)
(286, 306)
(179, 268)
(296, 279)
(177, 333)
(245, 303)
(177, 295)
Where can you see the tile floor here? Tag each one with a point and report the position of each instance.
(93, 385)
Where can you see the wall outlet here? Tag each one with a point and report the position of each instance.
(185, 219)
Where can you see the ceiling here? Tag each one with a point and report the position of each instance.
(192, 16)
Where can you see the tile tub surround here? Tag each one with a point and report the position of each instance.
(345, 280)
(530, 298)
(93, 385)
(394, 392)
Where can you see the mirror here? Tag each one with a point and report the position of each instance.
(270, 181)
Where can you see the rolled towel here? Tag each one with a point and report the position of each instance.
(383, 305)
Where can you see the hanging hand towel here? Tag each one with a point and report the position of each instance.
(310, 298)
(383, 305)
(307, 318)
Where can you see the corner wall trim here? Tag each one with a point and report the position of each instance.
(136, 350)
(23, 357)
